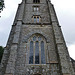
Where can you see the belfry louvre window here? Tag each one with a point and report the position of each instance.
(37, 50)
(36, 1)
(36, 19)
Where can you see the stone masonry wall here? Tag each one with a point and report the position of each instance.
(73, 63)
(23, 55)
(17, 50)
(43, 12)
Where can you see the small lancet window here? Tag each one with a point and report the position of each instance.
(36, 19)
(35, 8)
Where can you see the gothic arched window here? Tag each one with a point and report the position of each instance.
(37, 50)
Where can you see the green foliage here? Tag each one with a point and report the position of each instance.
(1, 52)
(1, 4)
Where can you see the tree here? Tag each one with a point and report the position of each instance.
(1, 5)
(1, 52)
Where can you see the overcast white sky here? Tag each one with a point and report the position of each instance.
(65, 10)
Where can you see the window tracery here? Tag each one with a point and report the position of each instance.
(37, 50)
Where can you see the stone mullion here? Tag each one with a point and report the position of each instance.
(34, 52)
(36, 19)
(47, 60)
(40, 51)
(45, 49)
(27, 52)
(39, 19)
(33, 19)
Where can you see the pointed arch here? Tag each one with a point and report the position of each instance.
(37, 53)
(36, 32)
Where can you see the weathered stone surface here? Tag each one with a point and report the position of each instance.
(16, 55)
(8, 74)
(73, 63)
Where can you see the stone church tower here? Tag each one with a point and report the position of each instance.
(36, 45)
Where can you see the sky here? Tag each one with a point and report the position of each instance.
(65, 10)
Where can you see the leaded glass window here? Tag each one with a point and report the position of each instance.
(31, 53)
(35, 8)
(34, 38)
(42, 53)
(39, 38)
(36, 19)
(37, 50)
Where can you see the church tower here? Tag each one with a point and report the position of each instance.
(36, 45)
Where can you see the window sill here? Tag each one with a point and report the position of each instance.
(36, 64)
